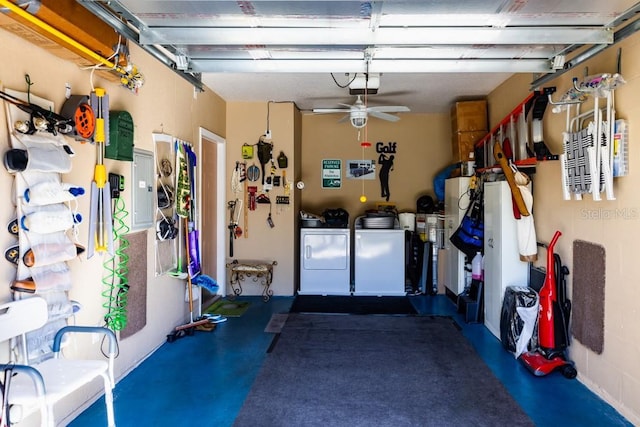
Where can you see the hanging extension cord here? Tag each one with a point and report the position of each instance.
(116, 281)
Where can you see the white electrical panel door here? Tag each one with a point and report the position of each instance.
(455, 205)
(325, 261)
(502, 265)
(143, 189)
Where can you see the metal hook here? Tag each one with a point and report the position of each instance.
(577, 100)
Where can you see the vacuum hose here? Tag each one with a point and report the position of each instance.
(116, 280)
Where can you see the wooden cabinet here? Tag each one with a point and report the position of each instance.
(468, 126)
(469, 116)
(463, 144)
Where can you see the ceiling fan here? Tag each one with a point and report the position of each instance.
(358, 112)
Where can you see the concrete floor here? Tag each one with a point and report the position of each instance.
(202, 380)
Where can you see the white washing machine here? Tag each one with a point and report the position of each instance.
(325, 259)
(379, 261)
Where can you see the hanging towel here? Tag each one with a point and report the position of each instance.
(525, 226)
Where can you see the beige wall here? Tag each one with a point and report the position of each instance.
(167, 104)
(246, 122)
(423, 144)
(614, 374)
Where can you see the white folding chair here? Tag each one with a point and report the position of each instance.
(41, 385)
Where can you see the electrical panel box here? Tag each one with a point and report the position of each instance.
(142, 189)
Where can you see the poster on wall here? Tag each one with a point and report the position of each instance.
(331, 173)
(361, 169)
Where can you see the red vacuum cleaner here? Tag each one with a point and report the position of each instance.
(553, 321)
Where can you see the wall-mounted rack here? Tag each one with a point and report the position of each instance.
(514, 127)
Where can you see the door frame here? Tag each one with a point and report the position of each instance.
(221, 149)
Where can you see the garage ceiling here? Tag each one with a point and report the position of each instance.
(427, 54)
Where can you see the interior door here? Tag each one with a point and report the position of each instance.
(211, 199)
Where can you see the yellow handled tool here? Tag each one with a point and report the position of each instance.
(100, 223)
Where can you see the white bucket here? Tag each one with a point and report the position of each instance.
(407, 221)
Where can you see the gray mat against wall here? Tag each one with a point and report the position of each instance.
(376, 370)
(137, 295)
(589, 276)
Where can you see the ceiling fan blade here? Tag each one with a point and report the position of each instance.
(344, 118)
(384, 116)
(389, 109)
(330, 110)
(383, 94)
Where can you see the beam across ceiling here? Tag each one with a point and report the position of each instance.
(400, 36)
(228, 36)
(374, 66)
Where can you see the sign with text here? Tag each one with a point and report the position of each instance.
(331, 173)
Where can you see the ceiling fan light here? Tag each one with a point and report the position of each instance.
(358, 122)
(358, 119)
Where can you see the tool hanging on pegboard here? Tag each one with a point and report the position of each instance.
(247, 151)
(252, 190)
(234, 230)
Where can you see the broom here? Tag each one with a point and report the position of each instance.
(191, 323)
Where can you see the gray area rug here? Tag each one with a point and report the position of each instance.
(276, 323)
(347, 370)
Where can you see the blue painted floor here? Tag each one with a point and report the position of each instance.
(202, 380)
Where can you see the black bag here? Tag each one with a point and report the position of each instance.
(425, 205)
(264, 155)
(469, 237)
(336, 218)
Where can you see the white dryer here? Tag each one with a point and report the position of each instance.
(325, 259)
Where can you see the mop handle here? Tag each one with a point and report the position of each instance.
(186, 244)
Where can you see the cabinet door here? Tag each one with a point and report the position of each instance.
(456, 202)
(325, 251)
(492, 254)
(502, 265)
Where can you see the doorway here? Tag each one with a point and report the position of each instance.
(211, 203)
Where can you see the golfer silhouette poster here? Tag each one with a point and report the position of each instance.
(385, 160)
